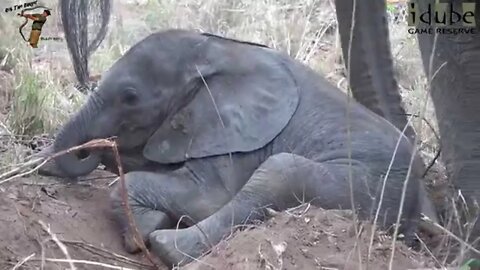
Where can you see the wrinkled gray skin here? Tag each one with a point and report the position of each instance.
(219, 130)
(453, 65)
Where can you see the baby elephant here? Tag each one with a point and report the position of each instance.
(214, 131)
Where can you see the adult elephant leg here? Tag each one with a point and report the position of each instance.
(158, 200)
(282, 181)
(455, 92)
(368, 58)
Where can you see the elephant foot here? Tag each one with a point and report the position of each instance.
(178, 247)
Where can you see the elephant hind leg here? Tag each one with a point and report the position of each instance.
(283, 180)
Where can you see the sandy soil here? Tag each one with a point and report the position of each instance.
(313, 239)
(78, 214)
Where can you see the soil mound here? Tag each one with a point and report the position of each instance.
(313, 239)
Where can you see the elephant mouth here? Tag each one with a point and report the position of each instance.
(134, 137)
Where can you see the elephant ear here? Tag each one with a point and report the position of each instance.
(245, 96)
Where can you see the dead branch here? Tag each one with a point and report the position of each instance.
(87, 263)
(29, 163)
(131, 221)
(55, 239)
(23, 261)
(93, 144)
(104, 252)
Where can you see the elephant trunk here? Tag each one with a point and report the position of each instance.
(74, 133)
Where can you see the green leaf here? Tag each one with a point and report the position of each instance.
(391, 8)
(472, 264)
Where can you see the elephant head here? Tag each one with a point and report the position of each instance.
(180, 95)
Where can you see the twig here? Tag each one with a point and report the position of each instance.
(426, 122)
(88, 263)
(5, 128)
(20, 263)
(21, 166)
(290, 210)
(432, 162)
(98, 177)
(131, 221)
(97, 143)
(429, 252)
(98, 251)
(62, 247)
(443, 268)
(24, 173)
(437, 154)
(112, 182)
(384, 184)
(349, 133)
(188, 255)
(456, 238)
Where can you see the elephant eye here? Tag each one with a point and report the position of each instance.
(129, 98)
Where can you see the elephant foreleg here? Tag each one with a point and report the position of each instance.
(158, 200)
(283, 181)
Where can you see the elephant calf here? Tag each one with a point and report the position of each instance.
(218, 130)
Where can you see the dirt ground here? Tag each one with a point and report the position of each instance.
(77, 214)
(312, 239)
